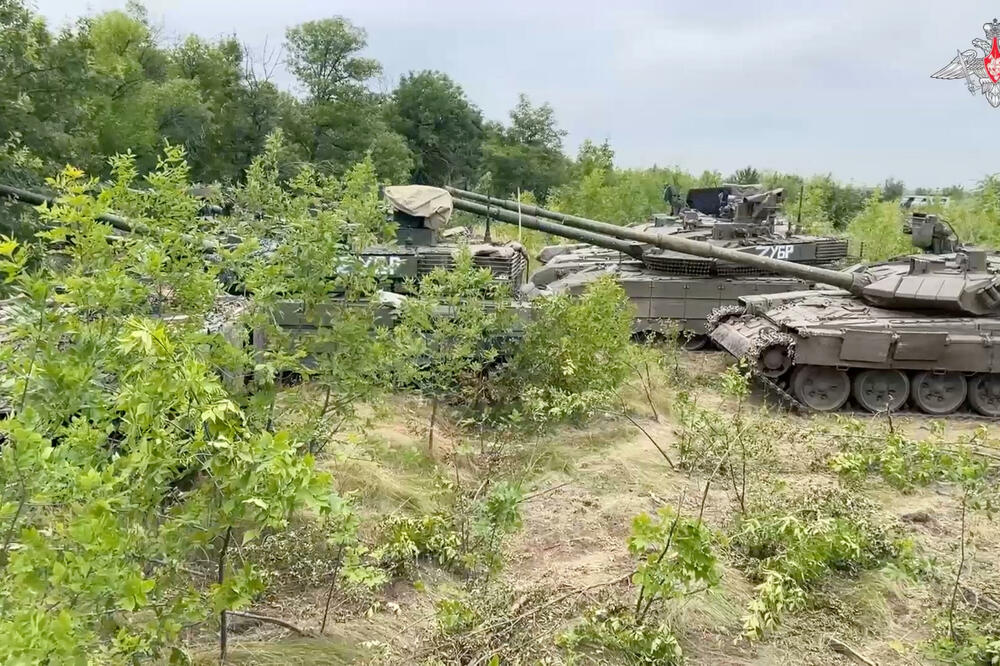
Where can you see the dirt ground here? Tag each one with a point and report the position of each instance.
(570, 553)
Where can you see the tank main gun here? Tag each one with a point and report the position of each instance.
(36, 199)
(116, 221)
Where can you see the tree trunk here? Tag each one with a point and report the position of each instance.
(223, 620)
(333, 585)
(430, 432)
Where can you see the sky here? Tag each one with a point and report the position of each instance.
(839, 87)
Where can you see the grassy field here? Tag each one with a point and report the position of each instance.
(583, 485)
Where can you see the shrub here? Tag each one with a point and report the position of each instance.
(574, 355)
(790, 543)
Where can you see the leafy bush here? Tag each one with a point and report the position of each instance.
(452, 331)
(790, 543)
(738, 448)
(574, 354)
(615, 634)
(675, 560)
(877, 231)
(468, 539)
(967, 640)
(126, 459)
(905, 463)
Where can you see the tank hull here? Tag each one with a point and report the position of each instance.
(881, 358)
(663, 302)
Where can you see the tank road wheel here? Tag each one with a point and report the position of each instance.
(880, 390)
(693, 341)
(938, 394)
(821, 388)
(984, 394)
(774, 361)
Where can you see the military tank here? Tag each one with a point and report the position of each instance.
(668, 287)
(420, 246)
(423, 244)
(919, 331)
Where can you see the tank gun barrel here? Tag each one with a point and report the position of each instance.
(549, 227)
(602, 233)
(36, 199)
(536, 211)
(117, 221)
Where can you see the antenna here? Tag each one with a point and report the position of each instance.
(798, 218)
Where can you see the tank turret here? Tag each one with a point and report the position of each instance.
(423, 244)
(961, 283)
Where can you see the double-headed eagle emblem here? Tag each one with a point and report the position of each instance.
(981, 73)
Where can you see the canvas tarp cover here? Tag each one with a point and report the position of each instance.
(431, 203)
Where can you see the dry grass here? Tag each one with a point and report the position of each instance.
(601, 475)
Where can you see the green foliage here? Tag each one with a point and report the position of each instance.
(527, 155)
(976, 217)
(126, 458)
(788, 544)
(615, 634)
(746, 176)
(319, 553)
(442, 129)
(816, 199)
(468, 538)
(675, 558)
(453, 329)
(738, 449)
(125, 453)
(675, 561)
(317, 224)
(455, 616)
(323, 57)
(905, 463)
(574, 355)
(877, 230)
(969, 640)
(404, 540)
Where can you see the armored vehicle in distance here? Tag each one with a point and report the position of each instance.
(670, 288)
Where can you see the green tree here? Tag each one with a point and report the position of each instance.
(323, 56)
(341, 120)
(442, 129)
(454, 328)
(892, 189)
(746, 176)
(127, 462)
(527, 155)
(592, 156)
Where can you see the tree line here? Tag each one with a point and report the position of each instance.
(109, 84)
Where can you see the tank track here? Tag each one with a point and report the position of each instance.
(772, 337)
(721, 313)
